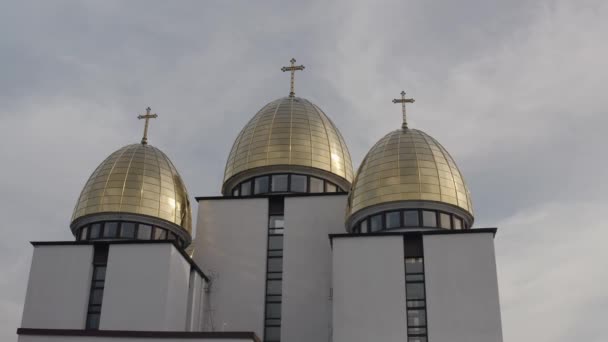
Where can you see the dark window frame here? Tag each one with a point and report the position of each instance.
(402, 225)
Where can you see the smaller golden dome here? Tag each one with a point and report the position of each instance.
(136, 179)
(289, 134)
(408, 165)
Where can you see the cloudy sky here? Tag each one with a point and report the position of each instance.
(515, 90)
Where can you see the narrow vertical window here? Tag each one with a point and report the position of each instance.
(415, 293)
(100, 261)
(274, 270)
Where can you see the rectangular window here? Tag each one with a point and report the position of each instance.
(235, 192)
(414, 290)
(100, 260)
(95, 232)
(273, 310)
(83, 233)
(246, 188)
(144, 232)
(416, 318)
(375, 223)
(429, 218)
(275, 265)
(298, 183)
(316, 185)
(393, 219)
(160, 234)
(110, 230)
(275, 242)
(413, 265)
(127, 230)
(279, 183)
(411, 218)
(260, 185)
(329, 187)
(444, 220)
(272, 334)
(364, 226)
(274, 287)
(457, 223)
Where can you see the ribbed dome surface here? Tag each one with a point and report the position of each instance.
(290, 131)
(408, 164)
(137, 179)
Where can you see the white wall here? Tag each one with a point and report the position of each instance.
(369, 289)
(195, 303)
(146, 288)
(31, 338)
(461, 288)
(58, 288)
(306, 307)
(230, 247)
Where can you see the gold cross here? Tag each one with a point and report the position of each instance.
(148, 116)
(293, 68)
(403, 101)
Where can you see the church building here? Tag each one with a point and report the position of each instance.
(298, 248)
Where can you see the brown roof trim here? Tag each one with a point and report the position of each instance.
(245, 335)
(124, 242)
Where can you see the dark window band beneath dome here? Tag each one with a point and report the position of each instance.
(409, 218)
(125, 230)
(283, 183)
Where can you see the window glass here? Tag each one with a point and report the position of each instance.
(273, 310)
(457, 223)
(275, 265)
(414, 277)
(273, 334)
(364, 225)
(110, 230)
(416, 318)
(260, 185)
(95, 231)
(275, 242)
(413, 265)
(246, 188)
(393, 219)
(279, 183)
(99, 273)
(415, 303)
(329, 187)
(171, 236)
(160, 234)
(127, 230)
(276, 222)
(429, 218)
(93, 321)
(375, 223)
(144, 232)
(96, 296)
(411, 218)
(316, 185)
(444, 220)
(273, 287)
(83, 233)
(235, 192)
(414, 290)
(298, 183)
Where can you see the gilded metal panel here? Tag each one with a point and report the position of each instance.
(290, 131)
(408, 164)
(137, 179)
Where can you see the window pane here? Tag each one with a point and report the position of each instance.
(457, 223)
(83, 233)
(411, 218)
(144, 232)
(95, 231)
(110, 230)
(414, 290)
(375, 223)
(273, 310)
(235, 192)
(276, 222)
(393, 219)
(415, 303)
(298, 183)
(329, 187)
(275, 265)
(127, 230)
(272, 334)
(273, 322)
(316, 185)
(99, 273)
(279, 183)
(160, 234)
(93, 321)
(417, 331)
(96, 296)
(246, 188)
(414, 277)
(273, 287)
(444, 220)
(364, 226)
(429, 218)
(260, 185)
(275, 242)
(171, 236)
(413, 265)
(416, 318)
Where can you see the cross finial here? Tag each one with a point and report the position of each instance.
(293, 68)
(147, 117)
(403, 101)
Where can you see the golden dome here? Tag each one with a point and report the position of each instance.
(408, 164)
(136, 179)
(289, 134)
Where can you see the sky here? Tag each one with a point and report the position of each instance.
(515, 90)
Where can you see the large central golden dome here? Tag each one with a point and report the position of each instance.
(136, 179)
(289, 134)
